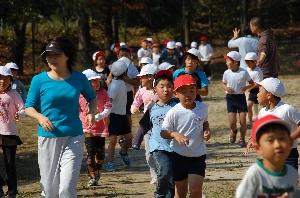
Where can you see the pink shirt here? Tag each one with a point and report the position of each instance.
(143, 96)
(11, 104)
(100, 127)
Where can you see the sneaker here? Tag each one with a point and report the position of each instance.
(92, 182)
(242, 143)
(125, 158)
(109, 167)
(135, 147)
(232, 137)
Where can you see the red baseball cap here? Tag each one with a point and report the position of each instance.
(183, 80)
(98, 54)
(203, 38)
(268, 119)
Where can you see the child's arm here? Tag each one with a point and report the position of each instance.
(105, 113)
(249, 86)
(180, 138)
(227, 89)
(295, 135)
(206, 130)
(137, 102)
(248, 147)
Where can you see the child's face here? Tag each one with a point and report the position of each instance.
(191, 63)
(164, 90)
(231, 64)
(146, 80)
(14, 72)
(251, 64)
(263, 96)
(274, 146)
(100, 61)
(143, 64)
(95, 84)
(144, 44)
(187, 95)
(4, 82)
(155, 50)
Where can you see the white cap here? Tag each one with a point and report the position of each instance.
(90, 74)
(234, 55)
(273, 85)
(178, 44)
(165, 66)
(126, 60)
(149, 39)
(118, 68)
(11, 65)
(146, 60)
(251, 56)
(4, 71)
(194, 44)
(195, 52)
(171, 45)
(148, 69)
(122, 44)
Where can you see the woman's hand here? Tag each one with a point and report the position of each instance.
(45, 123)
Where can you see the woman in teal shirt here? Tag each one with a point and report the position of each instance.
(53, 100)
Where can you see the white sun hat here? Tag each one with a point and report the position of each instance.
(148, 69)
(273, 85)
(171, 45)
(90, 74)
(251, 56)
(234, 55)
(146, 60)
(4, 71)
(11, 65)
(165, 66)
(118, 68)
(195, 52)
(194, 44)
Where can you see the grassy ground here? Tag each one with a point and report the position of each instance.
(225, 164)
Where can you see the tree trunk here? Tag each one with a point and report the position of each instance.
(84, 39)
(18, 48)
(185, 15)
(243, 16)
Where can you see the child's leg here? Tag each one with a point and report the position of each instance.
(181, 188)
(243, 125)
(111, 148)
(90, 145)
(255, 111)
(149, 158)
(9, 154)
(195, 185)
(250, 112)
(138, 138)
(232, 125)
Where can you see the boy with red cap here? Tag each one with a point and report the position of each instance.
(234, 84)
(270, 176)
(187, 125)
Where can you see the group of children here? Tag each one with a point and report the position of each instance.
(175, 123)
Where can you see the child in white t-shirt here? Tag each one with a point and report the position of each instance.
(118, 124)
(257, 76)
(186, 124)
(234, 84)
(270, 176)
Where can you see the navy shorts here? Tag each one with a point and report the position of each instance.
(236, 103)
(129, 102)
(253, 95)
(183, 166)
(118, 124)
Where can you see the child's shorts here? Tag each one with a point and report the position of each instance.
(236, 103)
(253, 95)
(129, 102)
(118, 124)
(95, 147)
(183, 166)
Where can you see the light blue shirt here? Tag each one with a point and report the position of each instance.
(58, 100)
(157, 114)
(202, 80)
(244, 44)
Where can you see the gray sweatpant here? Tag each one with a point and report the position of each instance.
(60, 162)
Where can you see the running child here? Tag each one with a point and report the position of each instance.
(119, 123)
(17, 84)
(145, 96)
(159, 147)
(269, 96)
(95, 135)
(100, 66)
(257, 76)
(186, 124)
(11, 109)
(234, 84)
(270, 176)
